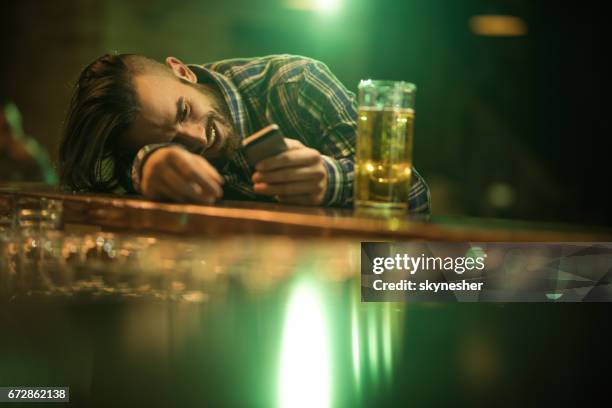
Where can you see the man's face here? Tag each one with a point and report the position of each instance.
(173, 109)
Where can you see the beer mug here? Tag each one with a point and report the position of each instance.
(383, 163)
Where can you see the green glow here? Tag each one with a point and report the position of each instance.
(475, 252)
(372, 330)
(387, 346)
(305, 363)
(327, 6)
(355, 343)
(553, 296)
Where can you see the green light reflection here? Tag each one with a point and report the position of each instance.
(387, 346)
(373, 335)
(355, 343)
(305, 361)
(374, 340)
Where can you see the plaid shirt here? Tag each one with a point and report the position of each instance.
(307, 102)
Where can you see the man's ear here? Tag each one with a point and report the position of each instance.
(181, 70)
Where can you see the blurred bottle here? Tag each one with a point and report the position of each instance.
(22, 159)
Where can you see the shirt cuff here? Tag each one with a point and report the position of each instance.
(139, 161)
(339, 181)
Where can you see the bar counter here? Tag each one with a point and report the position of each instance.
(131, 213)
(134, 303)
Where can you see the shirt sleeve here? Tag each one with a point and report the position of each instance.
(139, 161)
(328, 112)
(419, 198)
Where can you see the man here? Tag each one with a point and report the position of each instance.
(133, 122)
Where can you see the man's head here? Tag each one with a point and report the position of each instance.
(123, 102)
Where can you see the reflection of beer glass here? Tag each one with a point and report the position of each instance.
(383, 165)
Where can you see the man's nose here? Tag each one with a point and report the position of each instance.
(195, 132)
(192, 137)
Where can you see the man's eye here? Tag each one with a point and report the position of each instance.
(184, 112)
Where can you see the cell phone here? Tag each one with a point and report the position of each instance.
(264, 143)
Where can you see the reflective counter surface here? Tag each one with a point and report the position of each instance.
(138, 320)
(106, 212)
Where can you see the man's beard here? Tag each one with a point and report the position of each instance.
(231, 143)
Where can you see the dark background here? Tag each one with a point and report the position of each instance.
(510, 127)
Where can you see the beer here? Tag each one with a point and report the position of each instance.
(383, 165)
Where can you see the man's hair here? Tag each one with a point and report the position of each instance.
(104, 105)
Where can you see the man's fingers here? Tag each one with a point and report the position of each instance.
(289, 174)
(211, 169)
(197, 170)
(162, 191)
(168, 189)
(293, 143)
(171, 173)
(290, 158)
(298, 187)
(186, 191)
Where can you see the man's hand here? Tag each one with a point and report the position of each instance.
(172, 173)
(295, 176)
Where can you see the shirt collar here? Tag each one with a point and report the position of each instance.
(230, 94)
